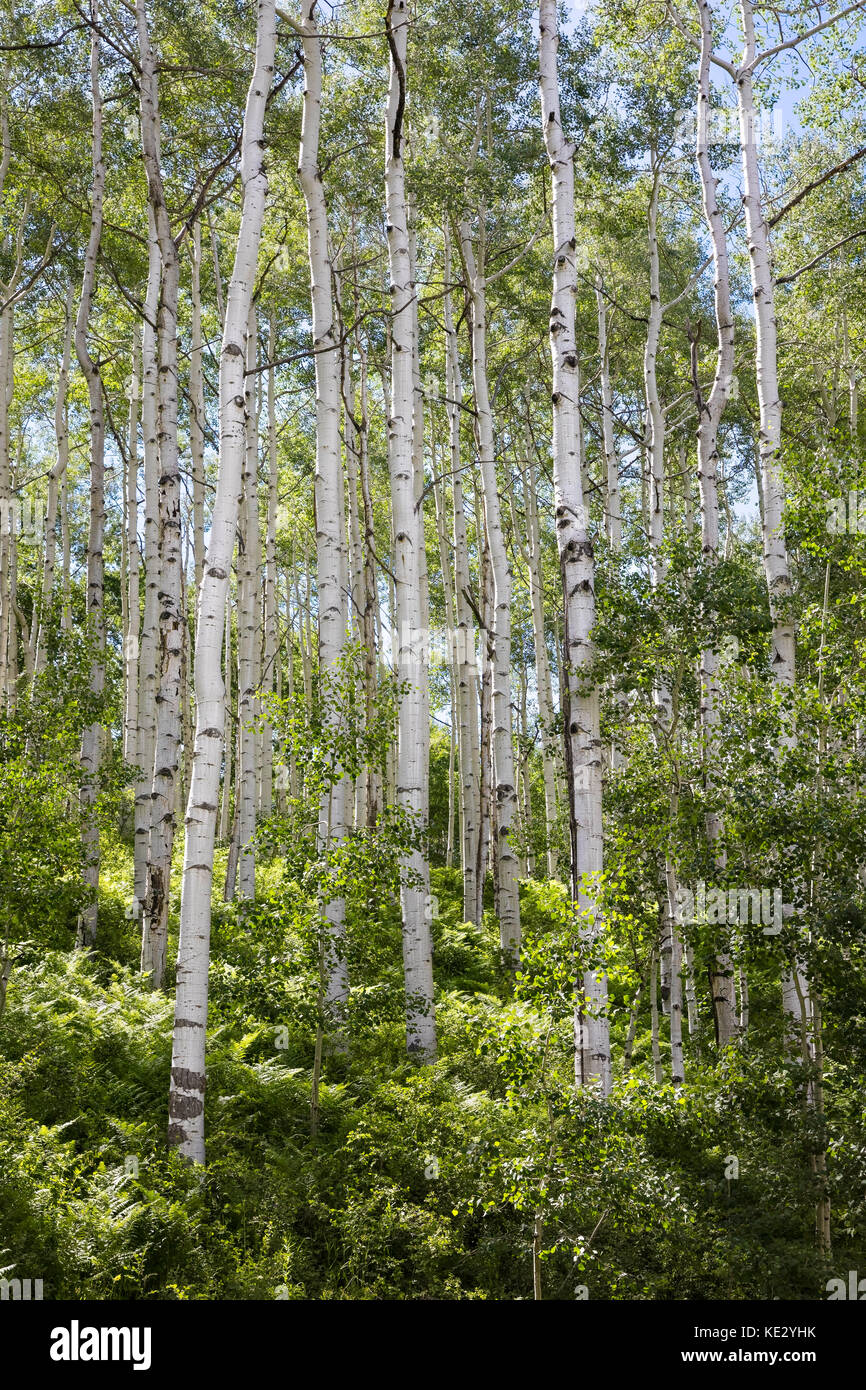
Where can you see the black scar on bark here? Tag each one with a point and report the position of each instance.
(184, 1107)
(188, 1080)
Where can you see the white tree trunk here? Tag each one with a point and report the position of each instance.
(709, 417)
(168, 700)
(583, 736)
(775, 551)
(197, 408)
(271, 635)
(149, 644)
(132, 630)
(186, 1097)
(464, 638)
(249, 582)
(505, 782)
(613, 510)
(56, 478)
(413, 739)
(331, 560)
(91, 743)
(542, 663)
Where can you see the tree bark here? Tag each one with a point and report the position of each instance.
(91, 743)
(186, 1096)
(577, 563)
(504, 778)
(413, 737)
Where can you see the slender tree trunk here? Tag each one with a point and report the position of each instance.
(542, 666)
(91, 743)
(775, 552)
(467, 713)
(56, 479)
(168, 701)
(658, 1074)
(132, 631)
(271, 616)
(577, 562)
(505, 782)
(613, 512)
(197, 408)
(186, 1097)
(414, 730)
(225, 811)
(148, 647)
(331, 560)
(709, 417)
(249, 579)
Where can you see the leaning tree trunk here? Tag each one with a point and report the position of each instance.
(413, 737)
(577, 562)
(186, 1096)
(91, 743)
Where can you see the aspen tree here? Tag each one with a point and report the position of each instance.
(271, 644)
(484, 697)
(467, 705)
(583, 737)
(249, 578)
(148, 647)
(91, 743)
(775, 551)
(505, 788)
(168, 700)
(225, 808)
(542, 661)
(196, 406)
(186, 1096)
(612, 508)
(413, 737)
(331, 562)
(56, 479)
(132, 627)
(710, 412)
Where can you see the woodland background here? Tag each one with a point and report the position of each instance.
(431, 565)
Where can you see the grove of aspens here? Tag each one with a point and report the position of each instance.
(432, 649)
